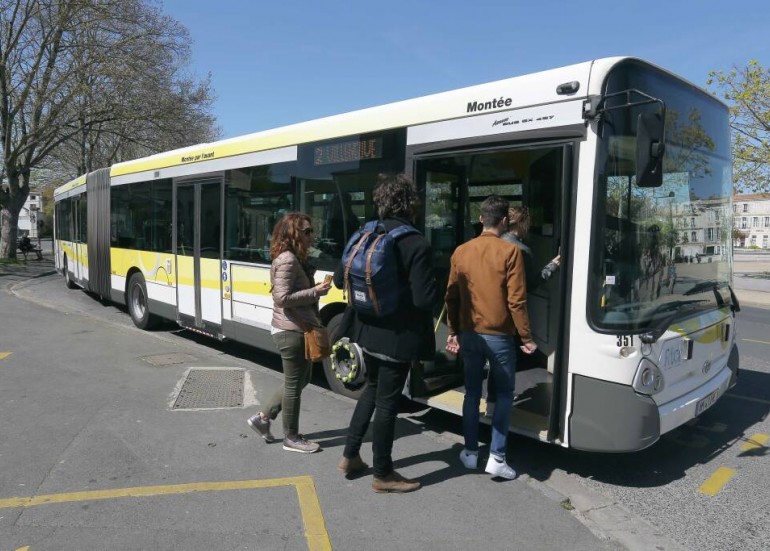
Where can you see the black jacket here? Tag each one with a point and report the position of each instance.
(408, 334)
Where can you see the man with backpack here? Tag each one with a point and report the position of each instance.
(390, 318)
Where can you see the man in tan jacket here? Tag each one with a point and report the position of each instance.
(486, 302)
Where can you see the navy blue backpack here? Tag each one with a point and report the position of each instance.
(371, 271)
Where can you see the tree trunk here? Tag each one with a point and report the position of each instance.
(9, 217)
(9, 230)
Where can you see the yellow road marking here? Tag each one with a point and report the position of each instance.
(752, 340)
(310, 508)
(4, 355)
(717, 481)
(23, 548)
(755, 442)
(747, 398)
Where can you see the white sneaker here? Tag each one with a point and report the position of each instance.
(497, 467)
(469, 459)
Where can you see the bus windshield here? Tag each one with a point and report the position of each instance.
(661, 254)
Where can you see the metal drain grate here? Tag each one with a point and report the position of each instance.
(169, 359)
(211, 388)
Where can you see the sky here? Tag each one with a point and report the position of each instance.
(279, 63)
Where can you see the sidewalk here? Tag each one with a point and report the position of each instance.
(31, 268)
(751, 280)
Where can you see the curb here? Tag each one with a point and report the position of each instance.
(607, 519)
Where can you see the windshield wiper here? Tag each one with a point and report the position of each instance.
(658, 326)
(710, 285)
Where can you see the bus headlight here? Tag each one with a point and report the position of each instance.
(648, 378)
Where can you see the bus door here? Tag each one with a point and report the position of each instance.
(79, 237)
(455, 186)
(443, 181)
(197, 224)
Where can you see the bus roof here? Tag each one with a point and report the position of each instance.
(502, 95)
(79, 181)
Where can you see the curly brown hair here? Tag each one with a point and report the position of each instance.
(518, 220)
(396, 195)
(287, 236)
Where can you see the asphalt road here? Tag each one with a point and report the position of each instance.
(94, 455)
(702, 486)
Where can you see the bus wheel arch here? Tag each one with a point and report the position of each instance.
(137, 301)
(344, 370)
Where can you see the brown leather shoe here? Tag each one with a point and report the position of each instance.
(394, 483)
(353, 466)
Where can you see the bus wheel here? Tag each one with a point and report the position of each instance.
(136, 301)
(67, 279)
(344, 369)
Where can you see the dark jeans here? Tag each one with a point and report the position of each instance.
(384, 385)
(297, 372)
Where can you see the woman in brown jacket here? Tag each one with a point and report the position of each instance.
(295, 308)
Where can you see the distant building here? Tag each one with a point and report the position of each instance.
(31, 215)
(700, 229)
(751, 215)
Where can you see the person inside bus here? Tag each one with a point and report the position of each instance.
(518, 229)
(486, 301)
(295, 309)
(390, 344)
(340, 222)
(652, 265)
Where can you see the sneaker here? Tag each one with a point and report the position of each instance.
(497, 467)
(297, 443)
(490, 409)
(469, 459)
(394, 483)
(261, 427)
(349, 467)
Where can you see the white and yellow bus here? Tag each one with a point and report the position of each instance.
(625, 169)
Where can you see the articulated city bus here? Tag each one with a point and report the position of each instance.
(616, 160)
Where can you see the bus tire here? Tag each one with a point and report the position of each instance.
(331, 368)
(68, 282)
(137, 303)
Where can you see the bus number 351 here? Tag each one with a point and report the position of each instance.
(625, 340)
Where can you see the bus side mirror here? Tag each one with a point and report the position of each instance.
(649, 149)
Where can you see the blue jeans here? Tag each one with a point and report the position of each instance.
(500, 350)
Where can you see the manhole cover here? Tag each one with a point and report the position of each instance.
(169, 359)
(211, 388)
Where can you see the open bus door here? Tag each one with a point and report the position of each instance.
(443, 182)
(455, 185)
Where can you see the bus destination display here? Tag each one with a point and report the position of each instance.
(345, 152)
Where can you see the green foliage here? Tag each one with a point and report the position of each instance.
(747, 91)
(88, 83)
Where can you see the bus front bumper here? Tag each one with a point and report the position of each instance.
(677, 412)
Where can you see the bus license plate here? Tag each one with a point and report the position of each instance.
(705, 403)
